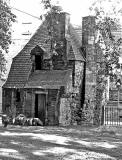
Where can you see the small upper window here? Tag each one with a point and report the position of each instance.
(37, 58)
(38, 62)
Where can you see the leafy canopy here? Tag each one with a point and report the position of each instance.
(108, 13)
(6, 17)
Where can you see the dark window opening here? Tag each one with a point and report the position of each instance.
(17, 96)
(73, 76)
(36, 105)
(38, 62)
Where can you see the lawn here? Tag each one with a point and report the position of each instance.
(60, 143)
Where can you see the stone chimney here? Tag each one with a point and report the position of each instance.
(88, 42)
(88, 30)
(64, 20)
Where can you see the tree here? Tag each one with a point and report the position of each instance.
(6, 17)
(52, 19)
(108, 45)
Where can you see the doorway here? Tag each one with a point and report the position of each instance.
(40, 106)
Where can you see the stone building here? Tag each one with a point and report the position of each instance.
(43, 85)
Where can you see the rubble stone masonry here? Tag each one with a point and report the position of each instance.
(88, 37)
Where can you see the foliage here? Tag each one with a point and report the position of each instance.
(74, 103)
(108, 44)
(52, 22)
(6, 17)
(108, 49)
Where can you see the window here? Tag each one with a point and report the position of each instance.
(17, 96)
(38, 62)
(37, 58)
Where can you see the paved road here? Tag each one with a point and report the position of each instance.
(58, 143)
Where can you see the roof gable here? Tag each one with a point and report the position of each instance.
(22, 64)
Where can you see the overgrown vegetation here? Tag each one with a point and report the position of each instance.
(6, 19)
(52, 22)
(108, 49)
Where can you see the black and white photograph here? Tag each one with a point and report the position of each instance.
(60, 80)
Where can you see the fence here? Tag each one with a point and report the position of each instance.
(112, 116)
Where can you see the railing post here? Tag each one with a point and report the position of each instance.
(102, 117)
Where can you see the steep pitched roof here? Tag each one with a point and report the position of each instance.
(52, 79)
(75, 39)
(76, 35)
(22, 64)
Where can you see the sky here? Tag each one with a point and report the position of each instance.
(77, 8)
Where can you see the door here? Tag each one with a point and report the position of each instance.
(40, 102)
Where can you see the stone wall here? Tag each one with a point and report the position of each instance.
(65, 112)
(71, 100)
(78, 78)
(65, 104)
(79, 67)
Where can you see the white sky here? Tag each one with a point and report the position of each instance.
(77, 8)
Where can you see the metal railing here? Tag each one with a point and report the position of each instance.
(112, 116)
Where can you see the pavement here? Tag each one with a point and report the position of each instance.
(60, 143)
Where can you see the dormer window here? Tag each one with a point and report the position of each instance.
(37, 58)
